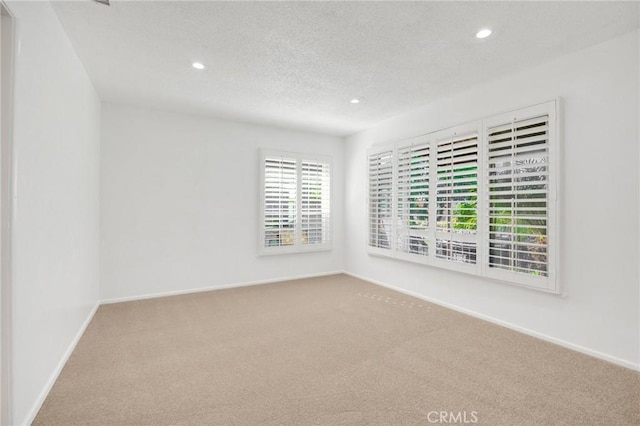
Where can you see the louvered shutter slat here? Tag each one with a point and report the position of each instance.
(280, 188)
(517, 184)
(412, 210)
(315, 202)
(296, 209)
(456, 197)
(380, 199)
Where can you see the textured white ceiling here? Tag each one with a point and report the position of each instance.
(297, 64)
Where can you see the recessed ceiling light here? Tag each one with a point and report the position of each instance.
(355, 101)
(197, 65)
(484, 33)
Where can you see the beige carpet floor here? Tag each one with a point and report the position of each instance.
(325, 351)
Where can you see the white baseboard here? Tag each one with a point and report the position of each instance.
(54, 376)
(216, 287)
(541, 336)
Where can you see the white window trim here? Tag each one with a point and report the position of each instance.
(548, 284)
(297, 247)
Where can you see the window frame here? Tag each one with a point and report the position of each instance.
(297, 246)
(481, 267)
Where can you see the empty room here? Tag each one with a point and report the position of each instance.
(319, 213)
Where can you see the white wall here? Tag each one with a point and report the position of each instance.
(179, 203)
(56, 204)
(6, 131)
(599, 310)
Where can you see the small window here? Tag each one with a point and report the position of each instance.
(295, 203)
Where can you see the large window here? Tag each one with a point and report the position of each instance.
(296, 203)
(478, 198)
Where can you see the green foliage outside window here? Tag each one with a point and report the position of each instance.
(465, 215)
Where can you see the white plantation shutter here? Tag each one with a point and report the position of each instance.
(456, 206)
(280, 196)
(315, 202)
(296, 203)
(381, 187)
(520, 196)
(478, 198)
(412, 200)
